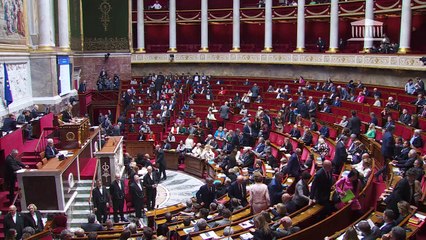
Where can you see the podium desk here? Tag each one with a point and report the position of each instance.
(194, 165)
(74, 134)
(110, 160)
(53, 187)
(140, 147)
(172, 159)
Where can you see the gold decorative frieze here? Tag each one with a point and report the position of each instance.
(99, 44)
(404, 62)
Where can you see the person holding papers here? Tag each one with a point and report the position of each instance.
(348, 188)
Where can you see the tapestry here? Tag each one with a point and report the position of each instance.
(12, 22)
(106, 25)
(19, 79)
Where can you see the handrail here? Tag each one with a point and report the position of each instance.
(39, 141)
(93, 184)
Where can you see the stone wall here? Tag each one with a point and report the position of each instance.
(367, 75)
(91, 65)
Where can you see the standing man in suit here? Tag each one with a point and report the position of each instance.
(388, 150)
(50, 151)
(293, 169)
(150, 182)
(238, 190)
(354, 123)
(276, 189)
(254, 91)
(340, 155)
(33, 218)
(160, 161)
(12, 165)
(224, 112)
(207, 193)
(13, 220)
(137, 195)
(117, 193)
(100, 198)
(321, 187)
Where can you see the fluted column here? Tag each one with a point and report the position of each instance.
(172, 26)
(405, 37)
(140, 27)
(46, 29)
(236, 26)
(300, 47)
(268, 26)
(334, 27)
(64, 25)
(368, 33)
(204, 26)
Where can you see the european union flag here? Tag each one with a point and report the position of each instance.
(7, 92)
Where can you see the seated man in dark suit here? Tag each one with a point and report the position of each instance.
(295, 132)
(325, 131)
(50, 151)
(91, 226)
(367, 232)
(67, 114)
(9, 123)
(389, 222)
(287, 229)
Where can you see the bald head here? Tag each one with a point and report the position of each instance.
(240, 179)
(327, 165)
(286, 222)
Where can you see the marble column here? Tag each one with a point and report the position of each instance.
(64, 25)
(46, 28)
(140, 28)
(268, 26)
(300, 47)
(334, 27)
(204, 26)
(405, 37)
(172, 26)
(236, 26)
(369, 18)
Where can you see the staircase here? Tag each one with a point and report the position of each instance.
(80, 208)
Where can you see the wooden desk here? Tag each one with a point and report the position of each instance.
(172, 159)
(56, 180)
(136, 147)
(194, 165)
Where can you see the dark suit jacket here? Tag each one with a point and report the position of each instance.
(12, 166)
(29, 221)
(275, 189)
(9, 124)
(92, 227)
(388, 144)
(116, 192)
(355, 125)
(401, 192)
(234, 192)
(206, 195)
(325, 131)
(66, 117)
(406, 164)
(160, 158)
(148, 181)
(8, 223)
(50, 152)
(405, 118)
(137, 193)
(418, 142)
(321, 186)
(387, 227)
(295, 133)
(100, 199)
(340, 156)
(293, 166)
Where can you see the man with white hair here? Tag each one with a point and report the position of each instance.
(117, 193)
(50, 151)
(287, 229)
(12, 165)
(150, 182)
(416, 140)
(13, 220)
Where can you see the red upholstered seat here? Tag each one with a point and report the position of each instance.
(59, 223)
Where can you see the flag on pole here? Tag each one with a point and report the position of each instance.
(7, 92)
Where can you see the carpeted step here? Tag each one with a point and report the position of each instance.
(88, 170)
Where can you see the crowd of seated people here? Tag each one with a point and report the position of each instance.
(12, 122)
(104, 82)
